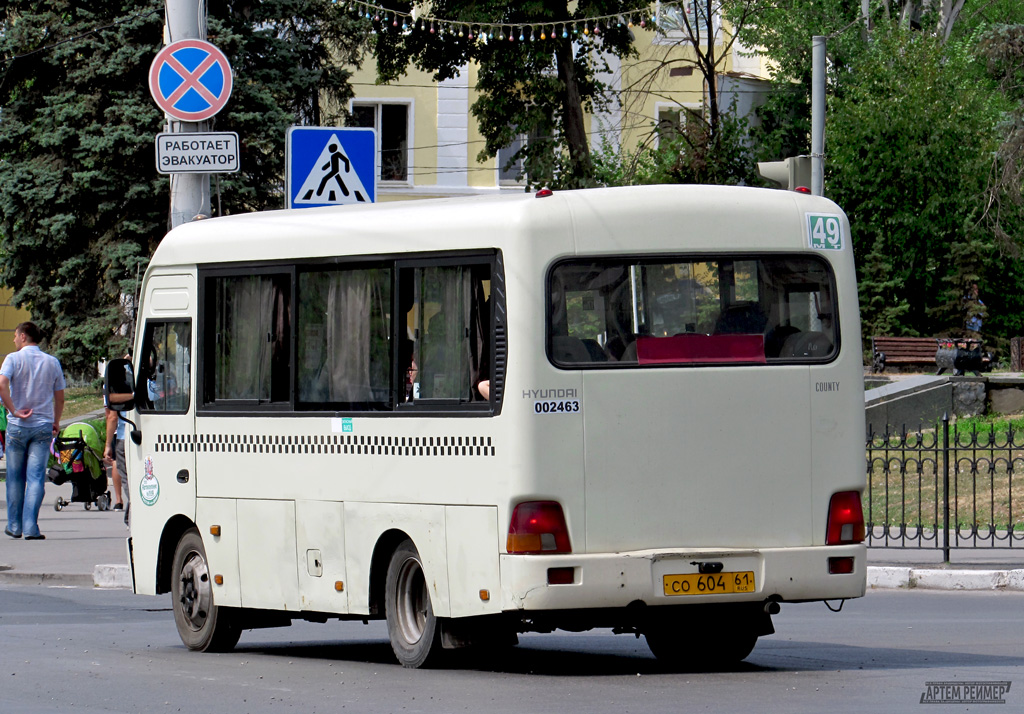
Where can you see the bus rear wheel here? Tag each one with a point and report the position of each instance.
(202, 625)
(688, 647)
(414, 631)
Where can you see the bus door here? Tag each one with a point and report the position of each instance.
(163, 463)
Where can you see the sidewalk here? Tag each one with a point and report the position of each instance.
(86, 548)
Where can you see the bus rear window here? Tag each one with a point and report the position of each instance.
(701, 311)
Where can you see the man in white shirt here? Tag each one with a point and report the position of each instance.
(32, 390)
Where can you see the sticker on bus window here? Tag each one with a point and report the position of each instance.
(825, 231)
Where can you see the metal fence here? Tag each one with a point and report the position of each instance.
(944, 488)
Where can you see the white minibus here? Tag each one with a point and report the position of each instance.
(629, 408)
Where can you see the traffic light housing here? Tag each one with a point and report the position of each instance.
(793, 173)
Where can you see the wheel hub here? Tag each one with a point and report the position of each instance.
(196, 594)
(412, 601)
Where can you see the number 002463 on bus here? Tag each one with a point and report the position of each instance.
(695, 584)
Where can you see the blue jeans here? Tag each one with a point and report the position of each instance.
(28, 449)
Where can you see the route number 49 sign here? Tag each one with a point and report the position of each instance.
(824, 231)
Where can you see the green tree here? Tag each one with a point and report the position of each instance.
(912, 126)
(783, 32)
(292, 60)
(537, 87)
(78, 187)
(81, 204)
(908, 136)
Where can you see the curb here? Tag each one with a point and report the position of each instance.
(112, 576)
(71, 580)
(937, 579)
(103, 576)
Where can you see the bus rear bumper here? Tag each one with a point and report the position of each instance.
(611, 580)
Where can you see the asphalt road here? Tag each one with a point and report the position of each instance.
(88, 650)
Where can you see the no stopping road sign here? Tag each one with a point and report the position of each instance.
(190, 80)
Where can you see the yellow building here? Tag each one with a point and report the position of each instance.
(428, 141)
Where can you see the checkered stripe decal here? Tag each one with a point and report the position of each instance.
(332, 444)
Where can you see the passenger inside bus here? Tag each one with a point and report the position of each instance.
(448, 318)
(407, 358)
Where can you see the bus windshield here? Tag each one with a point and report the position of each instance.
(691, 311)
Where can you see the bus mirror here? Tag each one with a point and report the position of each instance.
(119, 385)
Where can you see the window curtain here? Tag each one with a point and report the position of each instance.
(344, 348)
(446, 350)
(243, 329)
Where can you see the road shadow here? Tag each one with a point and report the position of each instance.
(608, 656)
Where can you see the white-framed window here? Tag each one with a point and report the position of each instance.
(392, 120)
(670, 118)
(515, 174)
(674, 16)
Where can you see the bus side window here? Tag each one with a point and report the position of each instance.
(165, 367)
(344, 326)
(448, 326)
(249, 360)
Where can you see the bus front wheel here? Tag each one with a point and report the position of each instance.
(414, 631)
(202, 625)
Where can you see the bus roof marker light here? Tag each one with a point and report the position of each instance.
(538, 527)
(544, 193)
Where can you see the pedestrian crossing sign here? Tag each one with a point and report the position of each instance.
(330, 166)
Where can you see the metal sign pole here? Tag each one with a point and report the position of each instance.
(190, 192)
(817, 115)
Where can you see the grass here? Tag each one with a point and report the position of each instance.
(985, 489)
(81, 400)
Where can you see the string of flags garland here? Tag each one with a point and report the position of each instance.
(384, 19)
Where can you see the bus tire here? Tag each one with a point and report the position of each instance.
(202, 625)
(414, 631)
(694, 649)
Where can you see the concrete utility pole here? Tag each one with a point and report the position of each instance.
(817, 115)
(190, 193)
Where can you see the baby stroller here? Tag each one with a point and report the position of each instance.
(76, 456)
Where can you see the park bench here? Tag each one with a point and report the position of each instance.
(888, 351)
(961, 354)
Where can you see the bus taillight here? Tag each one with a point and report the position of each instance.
(845, 519)
(538, 527)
